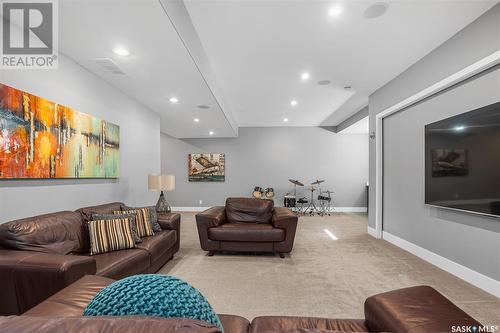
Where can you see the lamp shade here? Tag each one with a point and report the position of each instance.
(161, 182)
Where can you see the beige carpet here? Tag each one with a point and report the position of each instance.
(322, 277)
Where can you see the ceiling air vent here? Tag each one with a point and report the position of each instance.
(108, 65)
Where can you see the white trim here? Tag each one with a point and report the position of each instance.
(350, 209)
(189, 209)
(469, 71)
(475, 278)
(335, 209)
(372, 232)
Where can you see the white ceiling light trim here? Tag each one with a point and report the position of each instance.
(174, 100)
(335, 10)
(305, 76)
(121, 51)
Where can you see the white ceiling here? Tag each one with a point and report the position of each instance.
(259, 48)
(244, 58)
(158, 68)
(359, 127)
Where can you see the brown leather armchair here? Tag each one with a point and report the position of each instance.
(247, 225)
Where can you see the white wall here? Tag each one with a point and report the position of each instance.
(268, 157)
(73, 86)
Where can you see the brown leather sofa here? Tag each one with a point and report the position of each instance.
(247, 225)
(413, 310)
(41, 255)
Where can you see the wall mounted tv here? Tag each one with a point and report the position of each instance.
(462, 161)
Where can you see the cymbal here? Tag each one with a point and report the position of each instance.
(296, 182)
(317, 182)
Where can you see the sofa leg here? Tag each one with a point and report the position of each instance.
(282, 255)
(210, 253)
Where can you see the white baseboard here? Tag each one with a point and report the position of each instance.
(372, 232)
(477, 279)
(335, 209)
(189, 209)
(350, 209)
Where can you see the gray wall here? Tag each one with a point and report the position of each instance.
(268, 157)
(476, 41)
(470, 240)
(75, 87)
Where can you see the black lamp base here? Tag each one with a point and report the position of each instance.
(162, 205)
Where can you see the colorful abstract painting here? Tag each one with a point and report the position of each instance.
(206, 167)
(43, 139)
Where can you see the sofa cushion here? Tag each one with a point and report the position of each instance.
(119, 264)
(110, 235)
(60, 232)
(131, 324)
(234, 324)
(284, 324)
(416, 309)
(246, 232)
(249, 210)
(152, 213)
(108, 208)
(158, 244)
(72, 300)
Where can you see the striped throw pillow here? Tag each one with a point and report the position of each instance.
(110, 235)
(142, 221)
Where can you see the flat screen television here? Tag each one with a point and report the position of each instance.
(462, 161)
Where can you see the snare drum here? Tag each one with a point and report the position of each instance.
(289, 201)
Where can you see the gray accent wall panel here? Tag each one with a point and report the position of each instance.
(476, 41)
(267, 157)
(465, 238)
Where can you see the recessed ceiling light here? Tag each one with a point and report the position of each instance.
(324, 82)
(335, 10)
(305, 76)
(173, 100)
(211, 133)
(459, 128)
(121, 51)
(293, 102)
(203, 106)
(285, 120)
(196, 120)
(375, 10)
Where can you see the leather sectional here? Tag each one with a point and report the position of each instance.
(43, 254)
(419, 309)
(247, 225)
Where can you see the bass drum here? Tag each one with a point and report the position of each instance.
(257, 192)
(289, 201)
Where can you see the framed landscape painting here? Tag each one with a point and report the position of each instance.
(206, 167)
(42, 139)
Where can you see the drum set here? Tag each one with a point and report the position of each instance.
(260, 193)
(322, 205)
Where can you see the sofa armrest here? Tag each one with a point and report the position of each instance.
(27, 277)
(416, 309)
(171, 221)
(210, 218)
(284, 218)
